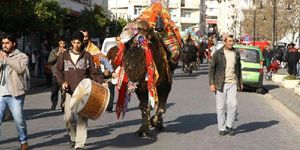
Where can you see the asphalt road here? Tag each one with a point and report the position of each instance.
(262, 123)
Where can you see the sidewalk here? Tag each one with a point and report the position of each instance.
(285, 96)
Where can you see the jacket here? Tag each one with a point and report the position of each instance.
(73, 73)
(52, 60)
(17, 63)
(217, 69)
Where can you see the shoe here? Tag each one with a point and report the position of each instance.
(79, 148)
(222, 133)
(230, 131)
(109, 110)
(24, 146)
(72, 144)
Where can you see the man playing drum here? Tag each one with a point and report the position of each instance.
(73, 66)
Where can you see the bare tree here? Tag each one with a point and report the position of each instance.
(287, 20)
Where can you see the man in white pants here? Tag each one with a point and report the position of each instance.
(225, 79)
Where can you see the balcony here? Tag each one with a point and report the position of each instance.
(190, 20)
(75, 5)
(84, 2)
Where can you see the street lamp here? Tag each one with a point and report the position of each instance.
(274, 23)
(254, 19)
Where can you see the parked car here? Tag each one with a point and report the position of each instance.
(107, 44)
(252, 66)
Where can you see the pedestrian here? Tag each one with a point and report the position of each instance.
(13, 68)
(111, 55)
(225, 79)
(73, 66)
(98, 57)
(292, 58)
(268, 55)
(52, 60)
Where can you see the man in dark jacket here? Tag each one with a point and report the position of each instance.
(52, 60)
(72, 67)
(292, 58)
(225, 80)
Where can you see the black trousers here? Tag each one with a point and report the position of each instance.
(292, 68)
(54, 91)
(112, 96)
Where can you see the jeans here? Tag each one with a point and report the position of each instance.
(15, 105)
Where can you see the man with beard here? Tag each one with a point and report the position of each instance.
(13, 68)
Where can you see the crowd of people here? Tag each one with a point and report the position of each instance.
(287, 57)
(83, 58)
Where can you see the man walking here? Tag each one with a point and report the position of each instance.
(13, 68)
(225, 80)
(52, 60)
(292, 59)
(72, 67)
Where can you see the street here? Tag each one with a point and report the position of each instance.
(190, 123)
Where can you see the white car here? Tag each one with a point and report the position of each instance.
(107, 44)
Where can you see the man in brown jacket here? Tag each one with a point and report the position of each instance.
(73, 66)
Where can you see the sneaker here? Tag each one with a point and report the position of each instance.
(230, 131)
(222, 133)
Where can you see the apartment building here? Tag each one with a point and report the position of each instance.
(230, 16)
(185, 13)
(211, 16)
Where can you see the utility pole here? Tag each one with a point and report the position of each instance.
(254, 25)
(116, 21)
(274, 24)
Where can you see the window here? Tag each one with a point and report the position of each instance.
(186, 14)
(249, 55)
(137, 10)
(212, 17)
(183, 3)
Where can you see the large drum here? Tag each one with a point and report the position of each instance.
(89, 99)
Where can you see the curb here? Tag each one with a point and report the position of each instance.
(285, 96)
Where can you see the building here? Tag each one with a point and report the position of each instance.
(230, 16)
(211, 19)
(183, 12)
(76, 6)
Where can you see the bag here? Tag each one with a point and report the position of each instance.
(26, 77)
(47, 69)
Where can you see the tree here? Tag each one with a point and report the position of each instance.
(30, 15)
(97, 21)
(286, 21)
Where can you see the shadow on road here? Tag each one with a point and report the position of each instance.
(126, 140)
(168, 105)
(183, 76)
(38, 90)
(189, 123)
(271, 87)
(40, 113)
(253, 126)
(45, 134)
